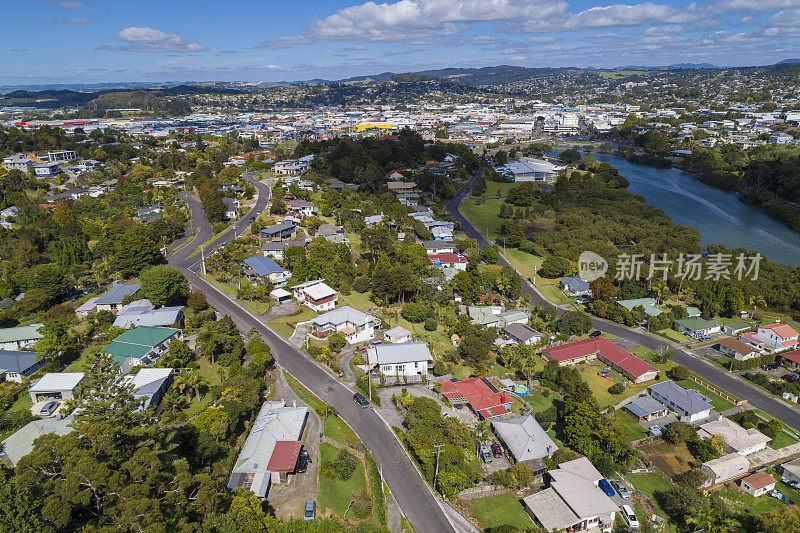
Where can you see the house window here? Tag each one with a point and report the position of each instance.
(247, 480)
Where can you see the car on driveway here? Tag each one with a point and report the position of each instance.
(630, 517)
(605, 486)
(310, 512)
(791, 378)
(48, 408)
(360, 399)
(595, 333)
(483, 451)
(302, 461)
(621, 489)
(497, 451)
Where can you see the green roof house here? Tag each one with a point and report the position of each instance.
(697, 327)
(19, 337)
(648, 304)
(141, 346)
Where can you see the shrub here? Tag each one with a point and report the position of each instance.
(616, 388)
(362, 504)
(336, 342)
(361, 284)
(679, 432)
(417, 312)
(431, 324)
(679, 373)
(344, 465)
(556, 267)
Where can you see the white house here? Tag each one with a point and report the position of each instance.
(355, 325)
(397, 335)
(725, 468)
(316, 295)
(758, 484)
(688, 404)
(406, 359)
(737, 439)
(19, 337)
(576, 287)
(55, 386)
(773, 337)
(263, 267)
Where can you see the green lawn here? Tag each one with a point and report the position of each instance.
(649, 484)
(336, 429)
(720, 404)
(782, 440)
(528, 264)
(23, 403)
(209, 372)
(336, 494)
(538, 402)
(285, 324)
(484, 216)
(674, 336)
(632, 428)
(356, 300)
(745, 503)
(81, 364)
(495, 511)
(304, 394)
(232, 290)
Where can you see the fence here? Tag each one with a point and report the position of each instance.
(483, 491)
(721, 393)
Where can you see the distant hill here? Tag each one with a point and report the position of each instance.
(793, 61)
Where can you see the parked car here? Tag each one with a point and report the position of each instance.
(302, 461)
(771, 366)
(497, 451)
(621, 489)
(791, 378)
(605, 486)
(630, 517)
(48, 408)
(311, 510)
(360, 399)
(483, 450)
(595, 333)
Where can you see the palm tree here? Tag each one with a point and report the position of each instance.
(712, 520)
(182, 381)
(529, 368)
(755, 301)
(207, 342)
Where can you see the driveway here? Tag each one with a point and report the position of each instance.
(389, 411)
(289, 500)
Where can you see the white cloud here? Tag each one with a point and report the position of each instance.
(144, 39)
(73, 20)
(67, 4)
(423, 20)
(284, 42)
(617, 15)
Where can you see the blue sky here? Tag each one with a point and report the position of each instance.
(47, 41)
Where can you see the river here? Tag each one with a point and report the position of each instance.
(718, 215)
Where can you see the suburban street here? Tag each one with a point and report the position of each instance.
(757, 398)
(407, 485)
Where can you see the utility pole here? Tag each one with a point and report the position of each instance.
(437, 451)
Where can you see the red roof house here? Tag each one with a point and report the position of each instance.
(601, 348)
(484, 401)
(284, 456)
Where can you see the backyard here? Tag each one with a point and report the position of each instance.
(336, 494)
(496, 511)
(720, 404)
(649, 484)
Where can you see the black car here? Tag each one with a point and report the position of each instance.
(360, 399)
(595, 333)
(302, 461)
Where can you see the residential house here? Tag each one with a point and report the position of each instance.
(394, 176)
(573, 501)
(697, 327)
(292, 167)
(401, 186)
(231, 208)
(20, 444)
(648, 304)
(737, 349)
(442, 233)
(439, 247)
(144, 313)
(46, 170)
(529, 170)
(646, 408)
(485, 315)
(355, 325)
(409, 199)
(150, 385)
(725, 468)
(302, 208)
(404, 359)
(14, 365)
(522, 334)
(316, 295)
(373, 220)
(457, 261)
(576, 287)
(331, 233)
(772, 337)
(278, 232)
(18, 162)
(483, 399)
(736, 327)
(737, 439)
(111, 300)
(397, 335)
(790, 470)
(55, 386)
(791, 359)
(280, 295)
(141, 346)
(270, 452)
(19, 337)
(276, 249)
(86, 308)
(7, 215)
(524, 438)
(688, 404)
(758, 484)
(258, 267)
(601, 348)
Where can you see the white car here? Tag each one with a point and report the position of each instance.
(630, 517)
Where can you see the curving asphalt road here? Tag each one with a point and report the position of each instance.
(730, 382)
(409, 488)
